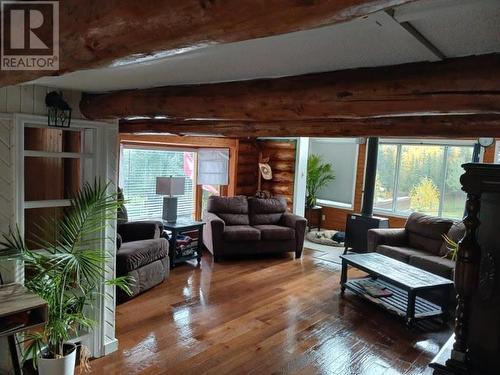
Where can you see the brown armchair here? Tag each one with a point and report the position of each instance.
(240, 225)
(142, 254)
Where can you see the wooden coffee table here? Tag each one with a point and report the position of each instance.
(403, 280)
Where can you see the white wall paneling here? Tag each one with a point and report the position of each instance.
(299, 190)
(100, 162)
(30, 99)
(11, 271)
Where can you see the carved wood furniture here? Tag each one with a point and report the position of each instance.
(476, 345)
(20, 310)
(404, 281)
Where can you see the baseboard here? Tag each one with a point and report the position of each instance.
(110, 347)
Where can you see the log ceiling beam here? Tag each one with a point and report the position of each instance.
(96, 33)
(443, 126)
(454, 86)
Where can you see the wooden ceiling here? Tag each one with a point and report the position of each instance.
(457, 97)
(96, 33)
(452, 98)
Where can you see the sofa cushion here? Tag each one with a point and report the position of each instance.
(133, 255)
(455, 233)
(275, 232)
(425, 232)
(434, 264)
(266, 211)
(400, 253)
(233, 210)
(238, 233)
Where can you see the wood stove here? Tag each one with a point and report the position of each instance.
(357, 225)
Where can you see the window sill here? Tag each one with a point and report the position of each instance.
(333, 204)
(390, 213)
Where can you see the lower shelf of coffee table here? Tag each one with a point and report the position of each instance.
(396, 303)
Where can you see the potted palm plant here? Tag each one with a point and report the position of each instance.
(319, 174)
(67, 272)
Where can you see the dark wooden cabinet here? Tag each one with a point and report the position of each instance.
(476, 345)
(314, 215)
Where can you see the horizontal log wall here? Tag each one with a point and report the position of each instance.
(282, 161)
(247, 170)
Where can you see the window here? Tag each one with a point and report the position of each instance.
(206, 192)
(421, 177)
(138, 171)
(342, 153)
(497, 152)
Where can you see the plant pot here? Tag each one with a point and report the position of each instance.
(58, 366)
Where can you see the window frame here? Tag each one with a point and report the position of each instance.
(399, 143)
(125, 145)
(336, 204)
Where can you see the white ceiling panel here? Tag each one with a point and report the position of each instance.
(455, 27)
(465, 30)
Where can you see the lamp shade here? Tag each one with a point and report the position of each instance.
(170, 185)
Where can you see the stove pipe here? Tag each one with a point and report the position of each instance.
(370, 176)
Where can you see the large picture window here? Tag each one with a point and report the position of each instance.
(342, 154)
(421, 177)
(139, 168)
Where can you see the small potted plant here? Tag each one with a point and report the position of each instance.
(319, 174)
(68, 272)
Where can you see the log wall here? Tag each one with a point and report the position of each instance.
(282, 161)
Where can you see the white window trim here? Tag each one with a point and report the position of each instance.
(415, 142)
(334, 204)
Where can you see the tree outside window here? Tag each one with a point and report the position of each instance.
(422, 178)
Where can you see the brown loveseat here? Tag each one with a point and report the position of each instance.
(241, 225)
(420, 243)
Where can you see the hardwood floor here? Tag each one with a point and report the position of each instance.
(264, 316)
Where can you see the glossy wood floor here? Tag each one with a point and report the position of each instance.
(264, 316)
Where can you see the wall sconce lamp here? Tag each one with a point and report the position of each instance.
(59, 112)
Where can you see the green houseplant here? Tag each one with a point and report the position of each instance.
(319, 174)
(67, 272)
(452, 247)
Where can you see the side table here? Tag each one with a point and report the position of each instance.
(181, 226)
(314, 216)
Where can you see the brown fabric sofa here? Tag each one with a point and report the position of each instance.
(241, 225)
(141, 254)
(420, 243)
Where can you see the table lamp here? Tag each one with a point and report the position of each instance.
(168, 187)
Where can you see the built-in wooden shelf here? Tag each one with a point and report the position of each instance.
(20, 309)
